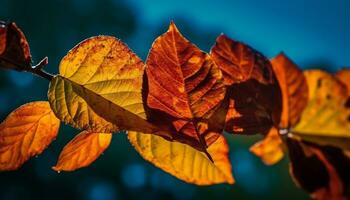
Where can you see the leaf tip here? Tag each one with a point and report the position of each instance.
(57, 168)
(231, 180)
(172, 27)
(222, 36)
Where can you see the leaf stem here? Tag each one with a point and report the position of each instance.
(38, 69)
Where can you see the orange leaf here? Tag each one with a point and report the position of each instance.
(270, 148)
(26, 132)
(14, 48)
(82, 150)
(293, 88)
(323, 171)
(184, 89)
(254, 96)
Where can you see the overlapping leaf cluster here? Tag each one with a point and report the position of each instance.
(176, 106)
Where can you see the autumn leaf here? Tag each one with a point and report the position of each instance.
(99, 88)
(270, 149)
(82, 150)
(26, 132)
(325, 120)
(323, 171)
(183, 161)
(184, 89)
(254, 96)
(14, 48)
(294, 90)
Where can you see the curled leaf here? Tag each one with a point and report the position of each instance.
(14, 48)
(82, 150)
(254, 96)
(293, 88)
(183, 161)
(269, 149)
(99, 88)
(26, 132)
(184, 89)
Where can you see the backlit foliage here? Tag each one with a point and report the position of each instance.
(176, 106)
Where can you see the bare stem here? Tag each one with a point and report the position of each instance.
(38, 69)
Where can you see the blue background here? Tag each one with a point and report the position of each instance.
(315, 34)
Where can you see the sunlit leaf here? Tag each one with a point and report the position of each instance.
(26, 132)
(323, 171)
(270, 149)
(14, 48)
(254, 95)
(82, 150)
(99, 88)
(326, 117)
(184, 89)
(293, 88)
(183, 161)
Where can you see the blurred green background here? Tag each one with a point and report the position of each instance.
(315, 34)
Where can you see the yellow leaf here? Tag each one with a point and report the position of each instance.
(183, 161)
(99, 88)
(270, 148)
(84, 149)
(26, 132)
(327, 114)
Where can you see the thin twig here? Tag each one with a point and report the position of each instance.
(38, 69)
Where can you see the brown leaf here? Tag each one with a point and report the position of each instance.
(14, 48)
(293, 88)
(82, 150)
(184, 89)
(26, 132)
(323, 171)
(254, 96)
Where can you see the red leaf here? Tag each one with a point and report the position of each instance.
(184, 89)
